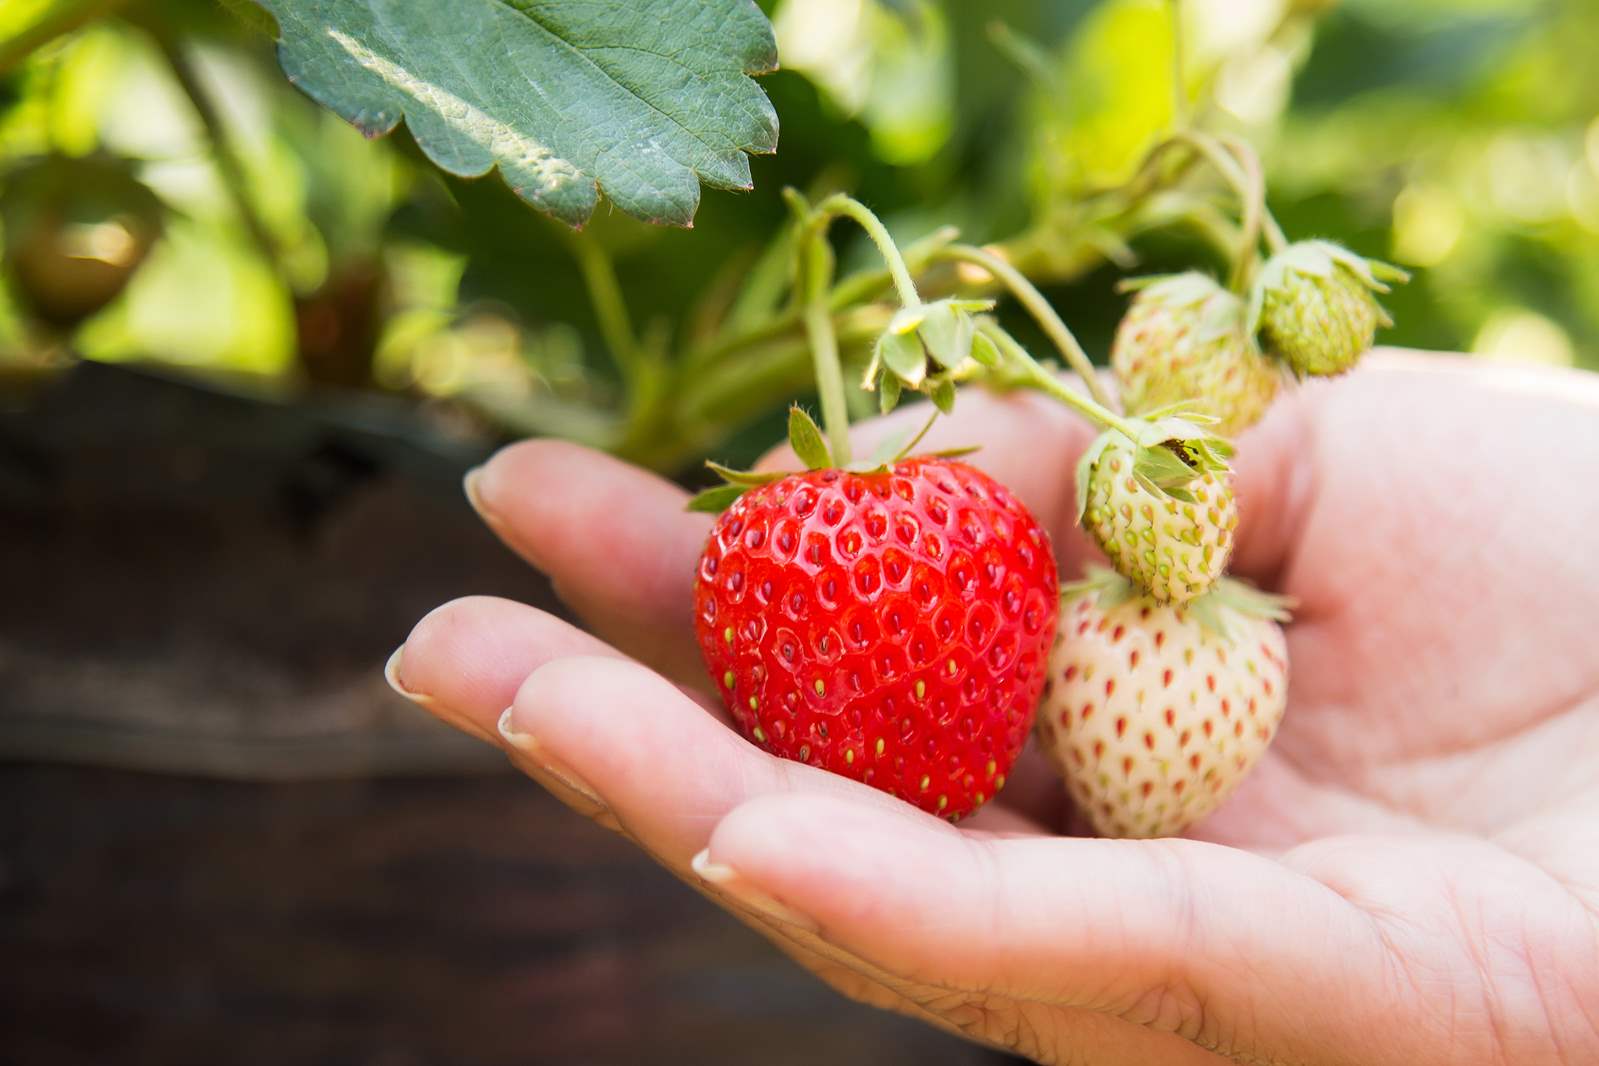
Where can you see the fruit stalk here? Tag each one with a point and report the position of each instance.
(1038, 377)
(851, 208)
(815, 277)
(1240, 167)
(1033, 300)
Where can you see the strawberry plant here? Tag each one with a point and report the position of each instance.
(891, 617)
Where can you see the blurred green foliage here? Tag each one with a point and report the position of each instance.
(1459, 138)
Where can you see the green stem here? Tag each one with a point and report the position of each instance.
(1249, 159)
(1041, 379)
(610, 309)
(229, 167)
(849, 207)
(58, 23)
(1033, 300)
(816, 276)
(1248, 183)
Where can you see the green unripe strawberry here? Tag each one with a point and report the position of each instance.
(1183, 340)
(1314, 307)
(1160, 508)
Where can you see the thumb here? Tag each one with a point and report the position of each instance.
(1218, 946)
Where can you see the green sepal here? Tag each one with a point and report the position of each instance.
(884, 453)
(1164, 467)
(805, 436)
(902, 354)
(1085, 466)
(943, 394)
(1246, 599)
(1320, 259)
(1108, 588)
(747, 478)
(984, 350)
(716, 499)
(1229, 596)
(956, 453)
(947, 334)
(888, 392)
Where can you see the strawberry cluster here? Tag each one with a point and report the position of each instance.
(898, 620)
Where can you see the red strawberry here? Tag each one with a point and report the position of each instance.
(890, 626)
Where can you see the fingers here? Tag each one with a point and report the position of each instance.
(666, 769)
(465, 660)
(1212, 944)
(615, 540)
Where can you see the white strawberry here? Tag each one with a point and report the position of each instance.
(1154, 713)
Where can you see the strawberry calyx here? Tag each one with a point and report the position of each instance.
(1314, 307)
(1218, 611)
(927, 348)
(1219, 312)
(1169, 454)
(810, 446)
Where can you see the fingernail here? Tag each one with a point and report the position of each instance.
(736, 885)
(528, 747)
(391, 674)
(472, 483)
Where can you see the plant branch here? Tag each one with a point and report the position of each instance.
(1249, 159)
(1248, 182)
(849, 207)
(816, 275)
(1040, 378)
(610, 309)
(1033, 300)
(234, 181)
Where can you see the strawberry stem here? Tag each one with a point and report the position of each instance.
(816, 277)
(849, 207)
(1029, 297)
(1040, 378)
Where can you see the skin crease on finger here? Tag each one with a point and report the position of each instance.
(1419, 748)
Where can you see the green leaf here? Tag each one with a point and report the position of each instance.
(716, 499)
(806, 438)
(642, 100)
(944, 395)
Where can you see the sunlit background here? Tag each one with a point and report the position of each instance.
(1458, 138)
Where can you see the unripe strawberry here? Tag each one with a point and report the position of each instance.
(1314, 309)
(1183, 341)
(1163, 513)
(1153, 714)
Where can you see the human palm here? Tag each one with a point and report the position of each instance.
(1411, 874)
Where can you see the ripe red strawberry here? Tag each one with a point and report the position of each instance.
(1153, 714)
(890, 626)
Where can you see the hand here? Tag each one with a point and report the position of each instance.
(1410, 876)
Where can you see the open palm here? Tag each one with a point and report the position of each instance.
(1410, 876)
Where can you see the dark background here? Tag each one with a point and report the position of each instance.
(227, 494)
